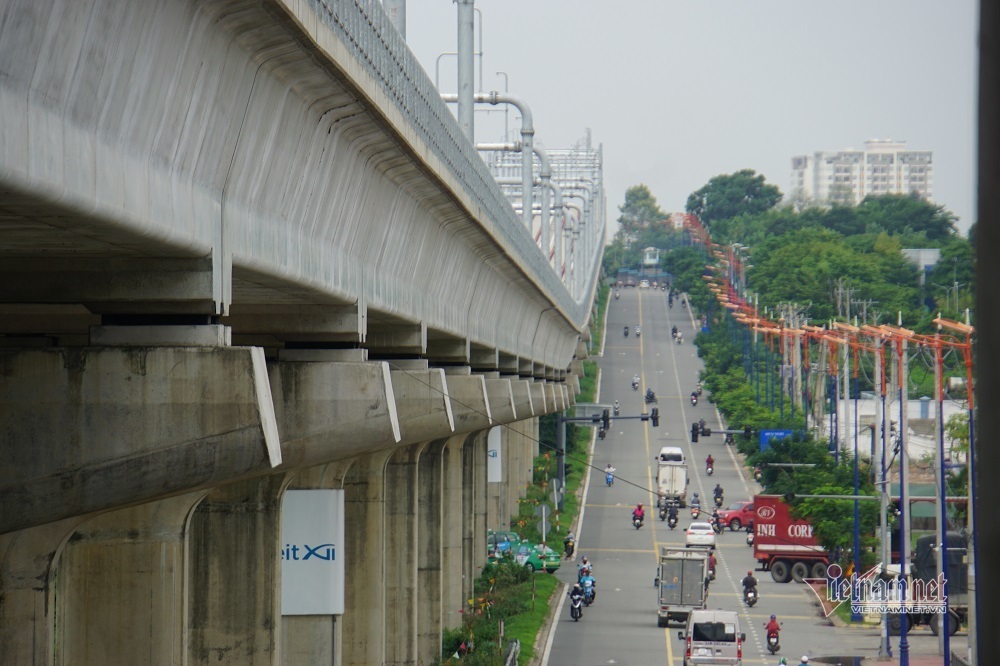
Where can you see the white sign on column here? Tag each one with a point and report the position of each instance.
(494, 456)
(312, 552)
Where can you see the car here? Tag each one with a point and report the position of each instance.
(713, 637)
(536, 557)
(737, 515)
(644, 284)
(500, 541)
(699, 534)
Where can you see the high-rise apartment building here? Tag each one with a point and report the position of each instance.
(848, 176)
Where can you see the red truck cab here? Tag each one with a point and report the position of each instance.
(737, 515)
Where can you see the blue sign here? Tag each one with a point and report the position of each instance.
(767, 435)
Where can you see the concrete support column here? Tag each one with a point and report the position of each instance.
(308, 640)
(453, 517)
(474, 497)
(122, 586)
(235, 611)
(402, 532)
(365, 594)
(430, 550)
(27, 599)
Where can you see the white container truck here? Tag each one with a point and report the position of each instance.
(671, 478)
(681, 584)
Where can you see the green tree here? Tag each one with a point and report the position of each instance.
(639, 211)
(896, 213)
(726, 196)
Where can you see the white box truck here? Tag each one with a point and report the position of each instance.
(671, 478)
(681, 584)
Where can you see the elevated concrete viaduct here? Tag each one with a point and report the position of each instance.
(245, 249)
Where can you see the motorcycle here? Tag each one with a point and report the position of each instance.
(750, 597)
(617, 295)
(695, 512)
(694, 401)
(635, 384)
(589, 593)
(601, 433)
(680, 338)
(626, 331)
(711, 574)
(650, 397)
(749, 535)
(636, 522)
(772, 643)
(709, 470)
(718, 501)
(717, 526)
(672, 522)
(576, 608)
(609, 478)
(730, 440)
(569, 545)
(617, 409)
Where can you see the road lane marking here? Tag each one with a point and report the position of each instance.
(670, 649)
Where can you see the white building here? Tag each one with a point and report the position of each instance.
(848, 176)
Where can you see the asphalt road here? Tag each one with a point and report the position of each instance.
(621, 626)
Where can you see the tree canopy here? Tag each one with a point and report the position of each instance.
(727, 196)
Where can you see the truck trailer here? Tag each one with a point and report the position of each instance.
(784, 546)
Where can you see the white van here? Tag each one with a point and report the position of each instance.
(671, 454)
(713, 637)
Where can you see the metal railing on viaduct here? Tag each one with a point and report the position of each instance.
(246, 250)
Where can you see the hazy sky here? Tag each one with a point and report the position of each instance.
(678, 91)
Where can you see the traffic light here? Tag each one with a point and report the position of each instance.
(694, 433)
(606, 418)
(746, 431)
(706, 431)
(788, 497)
(655, 416)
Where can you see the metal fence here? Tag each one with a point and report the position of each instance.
(512, 653)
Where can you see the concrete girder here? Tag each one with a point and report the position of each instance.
(539, 399)
(525, 367)
(407, 340)
(91, 429)
(484, 358)
(55, 320)
(298, 323)
(330, 411)
(508, 364)
(140, 285)
(443, 348)
(469, 401)
(522, 395)
(501, 399)
(423, 404)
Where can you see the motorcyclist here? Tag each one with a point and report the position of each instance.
(672, 511)
(650, 396)
(772, 628)
(716, 520)
(680, 337)
(696, 502)
(585, 567)
(709, 461)
(749, 583)
(626, 331)
(609, 474)
(805, 660)
(639, 513)
(587, 580)
(673, 332)
(576, 592)
(718, 491)
(638, 330)
(712, 562)
(635, 381)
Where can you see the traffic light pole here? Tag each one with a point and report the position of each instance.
(603, 421)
